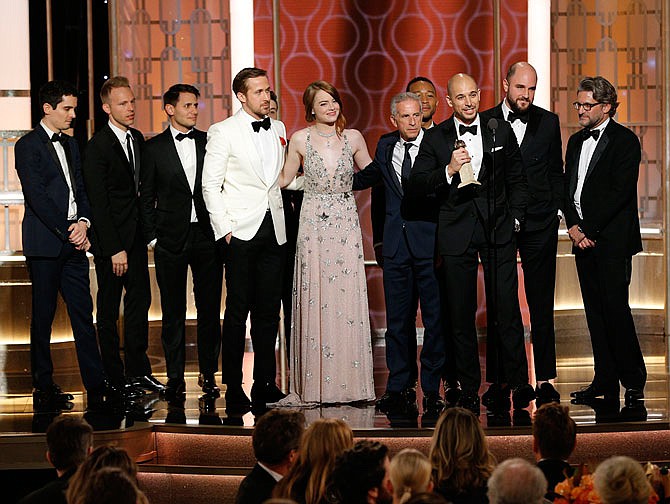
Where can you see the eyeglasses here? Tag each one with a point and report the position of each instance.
(586, 106)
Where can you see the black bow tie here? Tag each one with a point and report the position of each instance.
(181, 136)
(257, 125)
(462, 129)
(62, 138)
(513, 116)
(586, 133)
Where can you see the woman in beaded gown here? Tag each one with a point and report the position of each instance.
(331, 349)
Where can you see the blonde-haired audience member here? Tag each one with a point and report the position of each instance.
(517, 481)
(460, 457)
(409, 473)
(621, 480)
(322, 442)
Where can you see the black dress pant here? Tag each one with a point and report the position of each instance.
(461, 287)
(604, 282)
(171, 273)
(68, 274)
(136, 302)
(253, 287)
(537, 250)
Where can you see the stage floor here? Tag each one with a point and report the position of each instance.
(17, 416)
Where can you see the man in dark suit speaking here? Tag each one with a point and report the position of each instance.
(111, 173)
(176, 224)
(538, 133)
(477, 221)
(602, 164)
(55, 227)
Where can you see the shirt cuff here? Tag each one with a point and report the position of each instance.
(85, 221)
(446, 172)
(152, 243)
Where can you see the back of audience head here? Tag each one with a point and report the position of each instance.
(554, 432)
(110, 485)
(516, 481)
(621, 480)
(321, 443)
(69, 441)
(427, 498)
(276, 438)
(409, 473)
(459, 453)
(101, 457)
(360, 475)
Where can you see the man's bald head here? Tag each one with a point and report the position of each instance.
(463, 96)
(458, 78)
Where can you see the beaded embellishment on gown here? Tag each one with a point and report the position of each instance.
(331, 349)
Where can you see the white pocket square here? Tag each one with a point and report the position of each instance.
(497, 148)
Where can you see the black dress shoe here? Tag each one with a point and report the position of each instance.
(546, 393)
(236, 399)
(175, 390)
(633, 396)
(263, 393)
(452, 391)
(470, 401)
(591, 392)
(497, 398)
(391, 402)
(522, 395)
(104, 396)
(433, 404)
(207, 383)
(147, 382)
(51, 395)
(131, 392)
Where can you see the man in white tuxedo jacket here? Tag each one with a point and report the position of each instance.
(245, 154)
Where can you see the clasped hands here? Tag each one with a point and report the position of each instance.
(579, 239)
(78, 236)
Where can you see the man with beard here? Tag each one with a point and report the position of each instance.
(538, 133)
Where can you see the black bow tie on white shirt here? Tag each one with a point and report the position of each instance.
(62, 138)
(257, 125)
(181, 136)
(586, 133)
(513, 116)
(462, 129)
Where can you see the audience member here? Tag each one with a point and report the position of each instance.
(322, 442)
(461, 460)
(409, 473)
(101, 457)
(276, 439)
(110, 485)
(554, 439)
(361, 475)
(69, 440)
(516, 481)
(427, 498)
(621, 480)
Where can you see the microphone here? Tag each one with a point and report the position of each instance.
(492, 124)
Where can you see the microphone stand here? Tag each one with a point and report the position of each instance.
(492, 303)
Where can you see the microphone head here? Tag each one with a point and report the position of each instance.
(492, 124)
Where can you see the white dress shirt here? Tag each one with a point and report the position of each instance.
(518, 127)
(60, 152)
(264, 141)
(588, 146)
(399, 153)
(122, 135)
(187, 156)
(474, 146)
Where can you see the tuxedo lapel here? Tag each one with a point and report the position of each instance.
(531, 129)
(119, 150)
(597, 153)
(487, 151)
(250, 148)
(200, 149)
(574, 164)
(49, 146)
(174, 162)
(390, 171)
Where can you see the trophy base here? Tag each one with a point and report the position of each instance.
(469, 182)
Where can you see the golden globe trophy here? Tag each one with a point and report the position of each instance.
(466, 173)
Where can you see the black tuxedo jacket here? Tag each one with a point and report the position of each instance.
(256, 487)
(461, 208)
(415, 217)
(46, 193)
(110, 183)
(609, 195)
(165, 194)
(542, 155)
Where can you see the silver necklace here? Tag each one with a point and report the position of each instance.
(327, 136)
